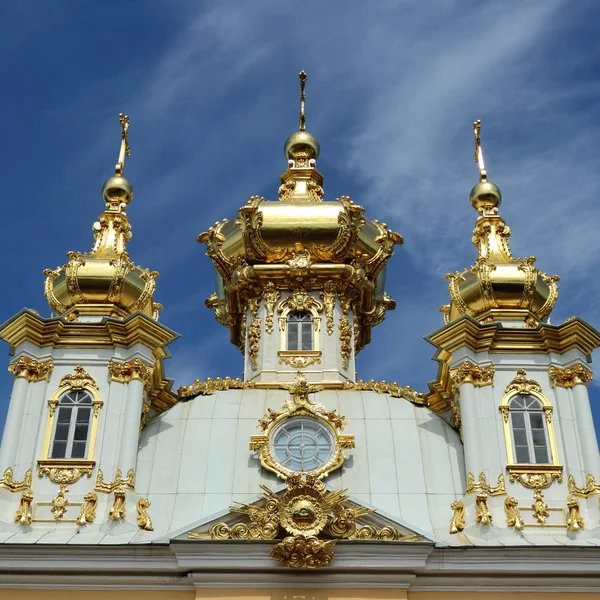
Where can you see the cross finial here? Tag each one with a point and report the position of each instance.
(302, 118)
(479, 151)
(125, 149)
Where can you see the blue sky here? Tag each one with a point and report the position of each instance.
(211, 89)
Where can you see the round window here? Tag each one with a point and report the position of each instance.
(302, 444)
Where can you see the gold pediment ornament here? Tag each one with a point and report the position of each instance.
(65, 471)
(79, 379)
(535, 476)
(309, 518)
(299, 405)
(521, 385)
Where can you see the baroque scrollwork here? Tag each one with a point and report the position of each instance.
(271, 296)
(143, 519)
(591, 487)
(64, 474)
(521, 385)
(79, 379)
(457, 522)
(133, 369)
(23, 515)
(513, 515)
(539, 507)
(534, 477)
(31, 369)
(60, 504)
(299, 360)
(87, 514)
(299, 404)
(328, 296)
(482, 485)
(570, 376)
(574, 519)
(117, 511)
(345, 340)
(7, 481)
(482, 514)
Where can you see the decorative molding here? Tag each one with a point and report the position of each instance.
(483, 487)
(116, 483)
(391, 389)
(143, 519)
(65, 471)
(271, 296)
(482, 514)
(299, 359)
(117, 511)
(31, 369)
(7, 481)
(457, 522)
(467, 372)
(88, 510)
(305, 511)
(574, 519)
(23, 515)
(328, 296)
(79, 379)
(133, 369)
(345, 340)
(521, 385)
(298, 404)
(535, 476)
(591, 487)
(539, 507)
(210, 386)
(513, 515)
(254, 331)
(569, 376)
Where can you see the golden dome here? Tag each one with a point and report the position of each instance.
(498, 286)
(105, 281)
(300, 241)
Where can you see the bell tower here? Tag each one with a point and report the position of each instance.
(300, 279)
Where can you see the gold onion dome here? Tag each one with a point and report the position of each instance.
(300, 241)
(498, 286)
(104, 281)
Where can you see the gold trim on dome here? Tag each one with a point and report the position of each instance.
(299, 404)
(8, 483)
(299, 359)
(482, 514)
(132, 369)
(210, 386)
(143, 519)
(482, 485)
(591, 487)
(476, 375)
(513, 515)
(457, 522)
(117, 483)
(391, 389)
(31, 369)
(568, 377)
(306, 512)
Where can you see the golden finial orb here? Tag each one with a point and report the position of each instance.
(118, 188)
(485, 194)
(302, 141)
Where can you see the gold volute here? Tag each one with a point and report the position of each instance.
(105, 281)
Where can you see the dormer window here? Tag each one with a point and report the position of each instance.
(299, 331)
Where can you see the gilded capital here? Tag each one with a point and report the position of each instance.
(133, 369)
(467, 372)
(569, 376)
(31, 369)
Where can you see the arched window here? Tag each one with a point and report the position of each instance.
(72, 425)
(299, 331)
(529, 434)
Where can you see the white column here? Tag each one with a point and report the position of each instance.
(470, 428)
(131, 425)
(14, 422)
(587, 433)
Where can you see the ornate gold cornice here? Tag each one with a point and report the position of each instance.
(535, 476)
(31, 369)
(570, 376)
(65, 471)
(133, 369)
(467, 372)
(8, 483)
(483, 486)
(27, 326)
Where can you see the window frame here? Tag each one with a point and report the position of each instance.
(47, 461)
(300, 330)
(527, 412)
(73, 422)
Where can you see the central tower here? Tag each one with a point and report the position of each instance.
(300, 280)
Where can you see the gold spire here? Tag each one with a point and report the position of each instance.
(479, 150)
(302, 117)
(125, 149)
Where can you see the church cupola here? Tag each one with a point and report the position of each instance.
(105, 282)
(300, 279)
(498, 287)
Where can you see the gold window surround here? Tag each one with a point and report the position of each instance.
(299, 301)
(70, 470)
(529, 474)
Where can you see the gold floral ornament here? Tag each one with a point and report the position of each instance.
(457, 522)
(513, 515)
(306, 512)
(539, 507)
(570, 376)
(299, 405)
